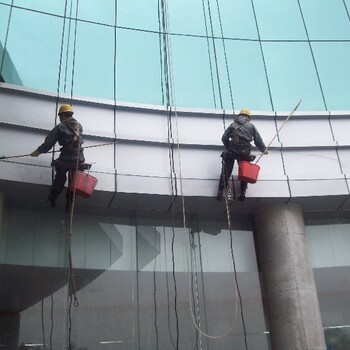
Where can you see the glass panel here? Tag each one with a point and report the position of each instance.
(193, 84)
(94, 61)
(51, 6)
(237, 19)
(34, 44)
(334, 73)
(248, 79)
(133, 283)
(141, 14)
(283, 22)
(328, 242)
(4, 17)
(292, 76)
(182, 19)
(326, 19)
(97, 11)
(138, 74)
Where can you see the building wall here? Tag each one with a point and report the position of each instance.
(132, 256)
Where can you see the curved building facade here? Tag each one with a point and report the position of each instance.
(157, 261)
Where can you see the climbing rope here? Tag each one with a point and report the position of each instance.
(164, 52)
(6, 37)
(185, 230)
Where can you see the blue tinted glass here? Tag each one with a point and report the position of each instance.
(283, 22)
(138, 73)
(50, 6)
(334, 71)
(292, 76)
(187, 17)
(203, 18)
(34, 44)
(94, 61)
(142, 14)
(97, 11)
(237, 19)
(4, 17)
(326, 19)
(192, 77)
(247, 75)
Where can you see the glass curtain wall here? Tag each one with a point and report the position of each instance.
(138, 284)
(213, 54)
(329, 241)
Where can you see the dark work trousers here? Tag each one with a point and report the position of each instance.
(61, 170)
(60, 180)
(228, 161)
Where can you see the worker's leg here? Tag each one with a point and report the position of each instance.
(58, 184)
(226, 171)
(244, 186)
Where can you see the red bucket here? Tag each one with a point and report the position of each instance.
(248, 172)
(83, 183)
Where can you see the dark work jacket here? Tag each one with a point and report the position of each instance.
(238, 136)
(70, 143)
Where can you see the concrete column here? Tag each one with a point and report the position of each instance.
(288, 280)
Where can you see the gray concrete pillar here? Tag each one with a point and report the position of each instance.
(288, 280)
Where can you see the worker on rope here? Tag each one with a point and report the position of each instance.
(236, 139)
(68, 133)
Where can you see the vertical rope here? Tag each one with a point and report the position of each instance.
(74, 48)
(51, 317)
(68, 44)
(43, 324)
(155, 293)
(209, 54)
(313, 56)
(115, 100)
(173, 180)
(6, 37)
(185, 230)
(196, 313)
(215, 55)
(262, 55)
(225, 55)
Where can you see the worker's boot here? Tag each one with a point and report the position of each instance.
(244, 186)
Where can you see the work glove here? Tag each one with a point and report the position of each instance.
(35, 153)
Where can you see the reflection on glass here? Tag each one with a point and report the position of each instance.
(292, 76)
(203, 67)
(138, 71)
(334, 74)
(284, 22)
(328, 242)
(34, 45)
(138, 286)
(330, 21)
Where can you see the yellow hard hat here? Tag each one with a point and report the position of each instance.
(246, 112)
(65, 108)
